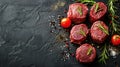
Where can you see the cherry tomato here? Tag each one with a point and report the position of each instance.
(65, 22)
(115, 40)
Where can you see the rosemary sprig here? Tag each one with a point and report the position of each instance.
(79, 10)
(82, 32)
(91, 2)
(103, 29)
(89, 51)
(114, 26)
(104, 55)
(96, 7)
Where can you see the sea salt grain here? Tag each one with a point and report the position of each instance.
(113, 53)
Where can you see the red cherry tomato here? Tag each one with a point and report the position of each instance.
(115, 40)
(65, 23)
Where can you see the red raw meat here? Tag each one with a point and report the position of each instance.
(76, 35)
(100, 13)
(82, 54)
(97, 34)
(74, 12)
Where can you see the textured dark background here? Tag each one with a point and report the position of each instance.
(25, 38)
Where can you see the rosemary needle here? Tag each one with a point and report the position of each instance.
(79, 10)
(96, 7)
(82, 32)
(89, 51)
(103, 29)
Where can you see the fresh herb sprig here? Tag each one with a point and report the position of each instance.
(103, 29)
(82, 32)
(91, 2)
(114, 24)
(104, 55)
(89, 51)
(80, 10)
(96, 7)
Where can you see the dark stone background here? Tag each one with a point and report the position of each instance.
(25, 38)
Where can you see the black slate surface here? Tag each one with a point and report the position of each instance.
(25, 38)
